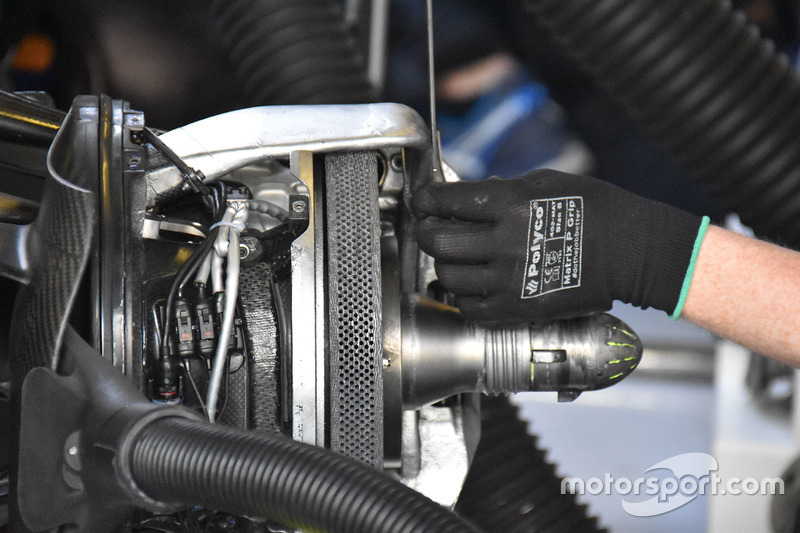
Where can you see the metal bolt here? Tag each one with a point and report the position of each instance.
(397, 162)
(72, 450)
(244, 251)
(386, 363)
(298, 206)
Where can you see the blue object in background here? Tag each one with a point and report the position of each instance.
(512, 129)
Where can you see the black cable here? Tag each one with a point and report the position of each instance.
(157, 319)
(195, 268)
(185, 272)
(189, 268)
(285, 340)
(165, 368)
(222, 200)
(218, 196)
(227, 384)
(188, 368)
(192, 176)
(280, 308)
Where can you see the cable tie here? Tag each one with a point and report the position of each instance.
(238, 226)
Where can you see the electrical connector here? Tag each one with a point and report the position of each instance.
(204, 315)
(185, 345)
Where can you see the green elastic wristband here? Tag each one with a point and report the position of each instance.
(687, 281)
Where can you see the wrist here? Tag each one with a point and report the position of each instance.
(687, 281)
(662, 242)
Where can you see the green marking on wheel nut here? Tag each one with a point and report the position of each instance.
(633, 366)
(615, 361)
(625, 332)
(532, 373)
(615, 376)
(620, 344)
(631, 358)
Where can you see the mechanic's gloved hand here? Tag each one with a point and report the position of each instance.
(553, 245)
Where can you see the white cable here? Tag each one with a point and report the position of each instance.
(217, 284)
(203, 272)
(220, 251)
(225, 223)
(239, 215)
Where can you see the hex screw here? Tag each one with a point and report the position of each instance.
(298, 206)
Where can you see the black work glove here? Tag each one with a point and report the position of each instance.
(552, 245)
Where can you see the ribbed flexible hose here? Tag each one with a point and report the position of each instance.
(258, 474)
(511, 487)
(699, 79)
(295, 52)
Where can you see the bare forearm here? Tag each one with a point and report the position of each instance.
(748, 291)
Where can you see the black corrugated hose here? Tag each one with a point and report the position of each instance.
(258, 474)
(297, 52)
(700, 80)
(511, 487)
